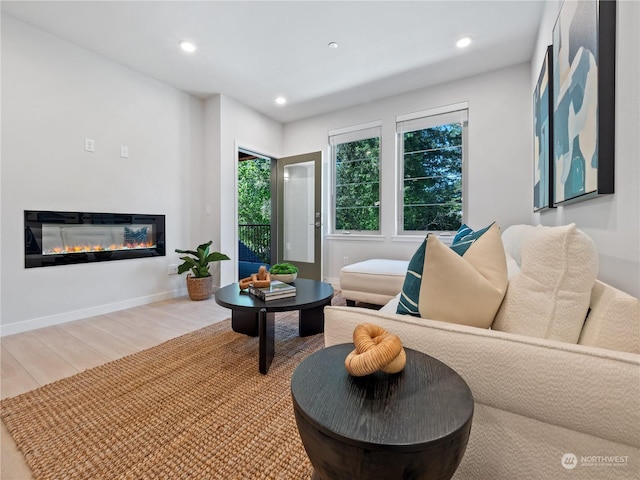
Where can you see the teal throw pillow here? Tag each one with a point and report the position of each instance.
(462, 231)
(462, 244)
(410, 294)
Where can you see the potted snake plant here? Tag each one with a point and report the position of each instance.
(199, 281)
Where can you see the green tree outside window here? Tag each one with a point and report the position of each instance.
(432, 178)
(357, 180)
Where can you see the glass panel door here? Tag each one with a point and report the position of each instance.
(299, 214)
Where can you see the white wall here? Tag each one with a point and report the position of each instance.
(230, 125)
(613, 221)
(500, 152)
(55, 94)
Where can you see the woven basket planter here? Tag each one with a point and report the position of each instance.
(199, 288)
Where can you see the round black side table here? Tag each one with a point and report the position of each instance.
(411, 425)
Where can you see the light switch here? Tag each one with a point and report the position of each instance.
(124, 151)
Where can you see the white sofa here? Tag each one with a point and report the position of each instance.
(537, 400)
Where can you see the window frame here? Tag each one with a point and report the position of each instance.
(347, 135)
(423, 120)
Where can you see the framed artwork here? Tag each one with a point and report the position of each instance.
(543, 136)
(584, 48)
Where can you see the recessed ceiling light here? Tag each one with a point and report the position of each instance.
(281, 100)
(463, 42)
(333, 45)
(188, 46)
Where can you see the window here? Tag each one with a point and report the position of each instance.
(431, 149)
(356, 196)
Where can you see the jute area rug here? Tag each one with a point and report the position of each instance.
(195, 407)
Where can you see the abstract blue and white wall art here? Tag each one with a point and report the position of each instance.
(543, 136)
(583, 88)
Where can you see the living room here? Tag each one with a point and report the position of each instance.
(182, 150)
(46, 79)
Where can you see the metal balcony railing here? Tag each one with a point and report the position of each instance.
(255, 243)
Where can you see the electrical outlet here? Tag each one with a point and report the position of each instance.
(172, 269)
(345, 261)
(89, 145)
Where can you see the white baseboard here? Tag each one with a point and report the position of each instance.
(50, 320)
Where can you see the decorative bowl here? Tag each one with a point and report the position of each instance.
(284, 277)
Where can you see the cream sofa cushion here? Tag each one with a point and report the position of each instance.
(512, 239)
(549, 297)
(465, 289)
(614, 320)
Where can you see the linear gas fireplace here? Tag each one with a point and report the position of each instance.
(61, 238)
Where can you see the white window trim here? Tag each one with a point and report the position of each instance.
(444, 237)
(433, 111)
(418, 116)
(351, 134)
(354, 128)
(373, 237)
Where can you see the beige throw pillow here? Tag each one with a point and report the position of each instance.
(549, 297)
(464, 289)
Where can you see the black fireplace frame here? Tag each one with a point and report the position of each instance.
(34, 219)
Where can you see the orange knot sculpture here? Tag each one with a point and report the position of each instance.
(261, 279)
(376, 349)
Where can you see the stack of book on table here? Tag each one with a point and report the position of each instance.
(275, 291)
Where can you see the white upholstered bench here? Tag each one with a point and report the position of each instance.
(372, 281)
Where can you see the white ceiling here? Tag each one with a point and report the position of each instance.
(256, 51)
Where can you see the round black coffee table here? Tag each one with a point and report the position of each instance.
(410, 425)
(255, 317)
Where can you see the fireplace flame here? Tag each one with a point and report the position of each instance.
(97, 248)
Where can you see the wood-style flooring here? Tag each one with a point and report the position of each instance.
(42, 356)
